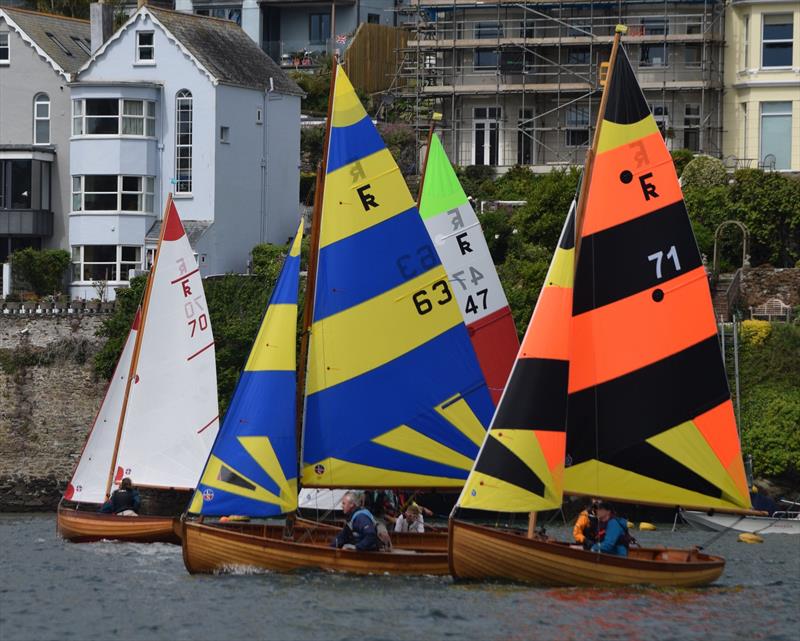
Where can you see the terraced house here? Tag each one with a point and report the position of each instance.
(39, 55)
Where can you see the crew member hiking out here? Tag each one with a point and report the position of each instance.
(123, 502)
(360, 532)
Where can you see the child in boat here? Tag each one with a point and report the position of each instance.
(123, 502)
(360, 532)
(612, 531)
(585, 530)
(410, 520)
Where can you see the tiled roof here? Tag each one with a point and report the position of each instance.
(47, 31)
(225, 50)
(194, 230)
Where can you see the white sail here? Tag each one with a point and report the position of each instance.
(88, 483)
(172, 416)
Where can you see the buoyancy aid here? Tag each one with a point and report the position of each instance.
(626, 539)
(384, 539)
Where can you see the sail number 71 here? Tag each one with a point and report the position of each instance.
(659, 256)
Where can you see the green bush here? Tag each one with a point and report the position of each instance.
(705, 172)
(681, 158)
(42, 270)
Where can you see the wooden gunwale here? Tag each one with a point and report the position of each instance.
(211, 548)
(555, 563)
(85, 527)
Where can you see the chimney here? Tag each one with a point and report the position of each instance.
(102, 23)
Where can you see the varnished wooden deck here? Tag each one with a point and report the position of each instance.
(479, 552)
(83, 527)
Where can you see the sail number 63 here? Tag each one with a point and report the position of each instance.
(422, 301)
(658, 257)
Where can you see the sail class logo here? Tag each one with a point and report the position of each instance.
(208, 494)
(319, 470)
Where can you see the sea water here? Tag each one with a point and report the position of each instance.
(51, 589)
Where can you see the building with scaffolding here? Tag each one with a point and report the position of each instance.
(518, 82)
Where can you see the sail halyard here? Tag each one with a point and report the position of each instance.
(137, 348)
(383, 408)
(650, 418)
(252, 467)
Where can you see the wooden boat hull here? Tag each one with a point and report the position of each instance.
(479, 552)
(756, 524)
(84, 527)
(216, 548)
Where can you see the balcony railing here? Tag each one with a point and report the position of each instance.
(298, 54)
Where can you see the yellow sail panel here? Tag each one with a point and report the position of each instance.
(395, 396)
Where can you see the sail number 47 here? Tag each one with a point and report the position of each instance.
(423, 302)
(659, 256)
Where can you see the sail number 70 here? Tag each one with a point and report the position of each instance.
(424, 304)
(659, 256)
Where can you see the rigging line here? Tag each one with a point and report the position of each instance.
(719, 534)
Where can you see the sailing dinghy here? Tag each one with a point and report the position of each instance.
(619, 374)
(394, 395)
(159, 416)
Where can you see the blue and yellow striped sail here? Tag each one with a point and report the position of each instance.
(394, 393)
(252, 468)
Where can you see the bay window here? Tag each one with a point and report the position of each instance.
(777, 40)
(112, 193)
(113, 116)
(104, 262)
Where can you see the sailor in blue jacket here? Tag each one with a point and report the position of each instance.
(612, 532)
(360, 532)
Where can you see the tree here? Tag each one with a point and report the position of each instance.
(704, 172)
(42, 270)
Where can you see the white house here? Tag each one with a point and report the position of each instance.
(180, 103)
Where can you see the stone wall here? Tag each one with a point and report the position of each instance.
(759, 284)
(49, 396)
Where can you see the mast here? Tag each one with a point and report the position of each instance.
(311, 271)
(137, 347)
(590, 153)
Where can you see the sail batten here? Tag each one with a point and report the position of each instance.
(645, 365)
(388, 347)
(252, 468)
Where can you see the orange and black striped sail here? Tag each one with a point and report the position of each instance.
(520, 466)
(649, 417)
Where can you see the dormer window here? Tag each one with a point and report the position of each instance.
(145, 48)
(5, 48)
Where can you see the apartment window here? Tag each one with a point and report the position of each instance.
(82, 45)
(525, 137)
(577, 125)
(225, 134)
(59, 44)
(485, 59)
(259, 116)
(693, 56)
(319, 28)
(654, 55)
(691, 127)
(776, 133)
(746, 38)
(745, 128)
(5, 48)
(661, 116)
(104, 262)
(145, 46)
(41, 119)
(373, 18)
(655, 26)
(226, 13)
(183, 142)
(24, 184)
(777, 41)
(112, 193)
(138, 118)
(578, 56)
(486, 135)
(484, 30)
(112, 116)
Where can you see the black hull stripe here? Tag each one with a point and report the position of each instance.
(499, 462)
(614, 263)
(536, 396)
(626, 104)
(626, 411)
